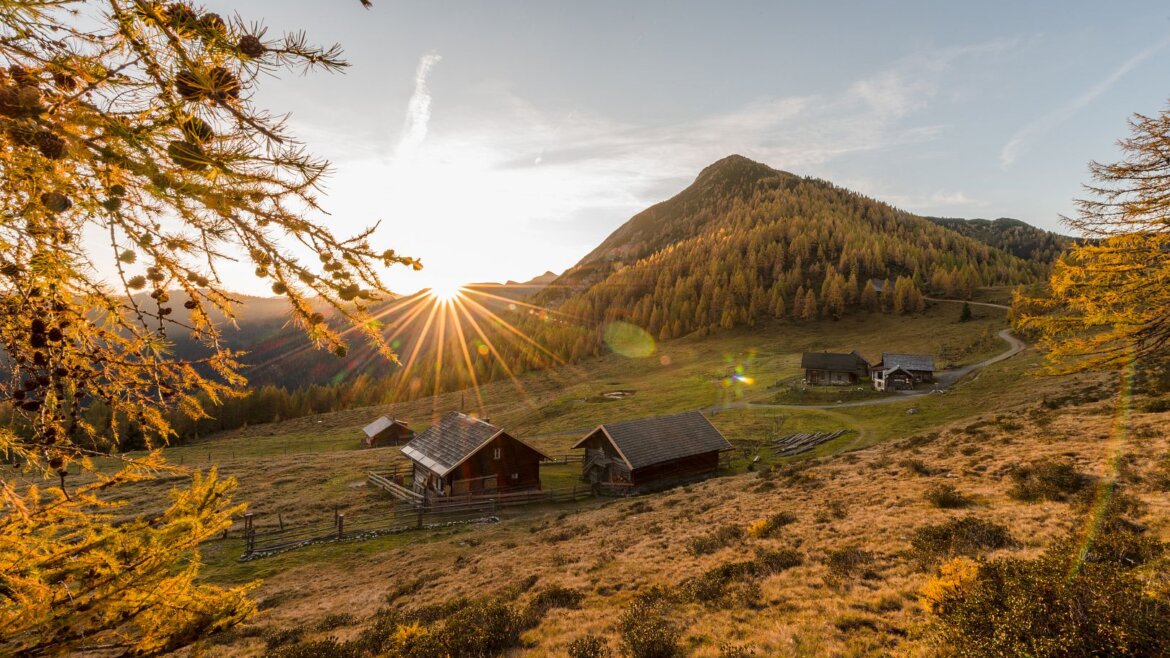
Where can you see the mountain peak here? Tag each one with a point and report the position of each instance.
(734, 170)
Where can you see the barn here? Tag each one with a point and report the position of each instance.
(829, 369)
(465, 455)
(650, 453)
(386, 431)
(902, 371)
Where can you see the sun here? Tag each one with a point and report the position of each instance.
(446, 292)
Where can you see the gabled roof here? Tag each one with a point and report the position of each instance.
(449, 442)
(907, 361)
(649, 441)
(878, 284)
(829, 361)
(378, 426)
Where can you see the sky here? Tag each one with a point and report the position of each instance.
(497, 140)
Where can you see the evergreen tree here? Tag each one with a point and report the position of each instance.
(965, 314)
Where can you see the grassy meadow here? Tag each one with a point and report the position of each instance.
(864, 489)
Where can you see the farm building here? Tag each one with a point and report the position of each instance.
(902, 371)
(386, 431)
(460, 455)
(828, 369)
(651, 452)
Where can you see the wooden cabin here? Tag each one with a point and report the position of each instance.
(386, 431)
(902, 371)
(650, 453)
(465, 455)
(829, 369)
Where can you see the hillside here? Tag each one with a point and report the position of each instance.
(745, 242)
(1011, 235)
(853, 516)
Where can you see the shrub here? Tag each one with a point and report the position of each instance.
(966, 536)
(319, 649)
(1057, 604)
(770, 526)
(946, 496)
(728, 650)
(716, 539)
(283, 636)
(483, 628)
(552, 597)
(590, 646)
(734, 583)
(1157, 405)
(646, 629)
(916, 466)
(849, 562)
(770, 562)
(1047, 480)
(331, 622)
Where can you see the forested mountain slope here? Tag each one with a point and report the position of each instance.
(1011, 235)
(746, 241)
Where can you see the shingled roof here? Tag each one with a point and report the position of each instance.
(649, 441)
(447, 443)
(851, 362)
(908, 361)
(378, 426)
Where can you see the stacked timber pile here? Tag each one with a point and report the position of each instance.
(794, 444)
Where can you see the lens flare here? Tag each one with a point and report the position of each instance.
(446, 292)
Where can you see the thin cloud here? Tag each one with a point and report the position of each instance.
(1015, 146)
(418, 110)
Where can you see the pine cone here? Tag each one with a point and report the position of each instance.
(251, 46)
(56, 202)
(50, 145)
(187, 155)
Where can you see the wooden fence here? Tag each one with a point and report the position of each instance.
(261, 541)
(388, 481)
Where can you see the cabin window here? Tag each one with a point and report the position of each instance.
(515, 476)
(496, 453)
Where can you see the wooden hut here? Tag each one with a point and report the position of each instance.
(461, 455)
(829, 369)
(902, 371)
(649, 453)
(386, 431)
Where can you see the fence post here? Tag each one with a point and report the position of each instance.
(340, 526)
(280, 520)
(249, 534)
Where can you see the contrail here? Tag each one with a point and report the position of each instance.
(1047, 122)
(418, 111)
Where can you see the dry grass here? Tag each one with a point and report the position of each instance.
(818, 607)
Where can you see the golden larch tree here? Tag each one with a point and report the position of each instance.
(1110, 295)
(133, 120)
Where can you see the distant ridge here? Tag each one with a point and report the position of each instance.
(1011, 235)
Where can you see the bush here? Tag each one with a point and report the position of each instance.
(283, 636)
(966, 536)
(770, 526)
(1047, 480)
(1057, 604)
(946, 496)
(646, 629)
(331, 622)
(849, 562)
(589, 646)
(1157, 405)
(320, 649)
(716, 539)
(735, 584)
(484, 628)
(728, 650)
(552, 597)
(916, 466)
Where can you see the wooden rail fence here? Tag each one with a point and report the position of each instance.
(262, 541)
